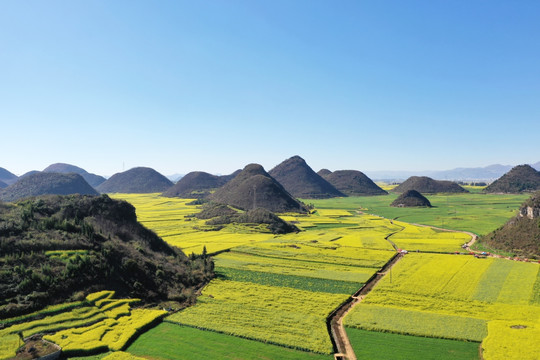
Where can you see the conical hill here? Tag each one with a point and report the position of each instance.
(139, 180)
(411, 198)
(353, 183)
(522, 178)
(92, 179)
(254, 188)
(427, 185)
(47, 183)
(301, 181)
(197, 185)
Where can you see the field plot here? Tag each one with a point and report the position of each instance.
(450, 296)
(99, 324)
(191, 343)
(383, 346)
(477, 213)
(427, 239)
(278, 315)
(171, 219)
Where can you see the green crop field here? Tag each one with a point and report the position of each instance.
(383, 346)
(191, 343)
(474, 212)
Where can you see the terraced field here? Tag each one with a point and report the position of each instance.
(100, 323)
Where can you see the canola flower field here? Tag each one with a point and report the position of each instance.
(276, 291)
(100, 323)
(458, 297)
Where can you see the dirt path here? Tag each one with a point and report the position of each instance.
(343, 346)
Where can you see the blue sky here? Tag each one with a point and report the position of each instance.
(214, 85)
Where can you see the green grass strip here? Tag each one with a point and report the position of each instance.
(191, 343)
(417, 323)
(383, 346)
(492, 281)
(292, 281)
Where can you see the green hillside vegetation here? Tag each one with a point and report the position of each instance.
(411, 198)
(139, 180)
(353, 183)
(92, 179)
(522, 178)
(301, 181)
(220, 214)
(427, 185)
(520, 236)
(47, 184)
(57, 248)
(255, 188)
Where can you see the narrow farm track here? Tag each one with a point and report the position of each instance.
(338, 334)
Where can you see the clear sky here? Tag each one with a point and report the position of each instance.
(213, 85)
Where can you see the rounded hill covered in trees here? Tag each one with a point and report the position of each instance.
(522, 178)
(60, 248)
(301, 181)
(47, 183)
(427, 185)
(254, 188)
(520, 235)
(197, 185)
(92, 179)
(353, 183)
(411, 198)
(139, 180)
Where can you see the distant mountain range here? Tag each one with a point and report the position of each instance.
(488, 173)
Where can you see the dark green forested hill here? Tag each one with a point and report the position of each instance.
(522, 178)
(55, 248)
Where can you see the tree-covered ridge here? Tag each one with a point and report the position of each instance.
(56, 248)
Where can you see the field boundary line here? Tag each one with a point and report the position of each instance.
(340, 340)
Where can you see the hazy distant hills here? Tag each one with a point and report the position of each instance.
(7, 177)
(411, 198)
(427, 185)
(352, 182)
(254, 188)
(92, 179)
(139, 180)
(47, 183)
(301, 181)
(521, 178)
(488, 173)
(520, 235)
(3, 184)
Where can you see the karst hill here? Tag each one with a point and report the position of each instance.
(522, 178)
(301, 181)
(47, 183)
(197, 185)
(427, 185)
(352, 183)
(55, 248)
(7, 177)
(92, 179)
(411, 198)
(254, 188)
(520, 235)
(139, 180)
